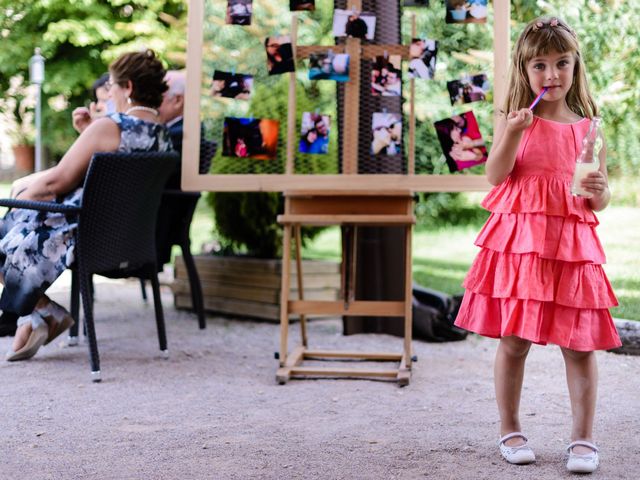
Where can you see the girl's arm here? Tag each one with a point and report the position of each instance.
(507, 137)
(103, 135)
(597, 183)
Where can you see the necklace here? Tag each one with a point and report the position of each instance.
(140, 108)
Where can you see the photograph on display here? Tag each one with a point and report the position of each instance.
(279, 55)
(314, 133)
(386, 76)
(386, 132)
(231, 85)
(461, 141)
(423, 53)
(470, 88)
(295, 5)
(329, 66)
(250, 138)
(239, 12)
(416, 3)
(466, 11)
(351, 23)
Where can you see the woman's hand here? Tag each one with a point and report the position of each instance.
(520, 120)
(81, 119)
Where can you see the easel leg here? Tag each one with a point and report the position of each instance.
(353, 235)
(408, 299)
(284, 294)
(303, 318)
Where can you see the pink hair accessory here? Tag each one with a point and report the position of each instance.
(537, 26)
(554, 22)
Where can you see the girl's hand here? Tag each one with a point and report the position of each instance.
(520, 120)
(595, 183)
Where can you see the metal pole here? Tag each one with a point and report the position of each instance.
(38, 165)
(36, 74)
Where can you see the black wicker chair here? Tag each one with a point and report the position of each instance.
(116, 230)
(174, 221)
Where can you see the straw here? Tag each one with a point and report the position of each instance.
(538, 98)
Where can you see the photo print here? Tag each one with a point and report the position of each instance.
(279, 55)
(461, 141)
(416, 3)
(352, 23)
(314, 133)
(423, 53)
(329, 66)
(250, 138)
(386, 131)
(470, 88)
(466, 11)
(239, 12)
(386, 76)
(231, 85)
(295, 5)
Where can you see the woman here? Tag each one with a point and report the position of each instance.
(36, 247)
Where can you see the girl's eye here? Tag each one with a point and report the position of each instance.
(563, 63)
(539, 66)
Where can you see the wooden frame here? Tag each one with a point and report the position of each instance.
(192, 180)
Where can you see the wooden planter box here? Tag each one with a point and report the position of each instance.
(250, 287)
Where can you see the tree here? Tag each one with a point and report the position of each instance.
(79, 39)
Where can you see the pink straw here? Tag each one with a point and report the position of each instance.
(538, 98)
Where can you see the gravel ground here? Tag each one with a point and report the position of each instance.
(214, 410)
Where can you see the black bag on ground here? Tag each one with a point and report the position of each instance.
(433, 315)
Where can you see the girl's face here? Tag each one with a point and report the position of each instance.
(555, 71)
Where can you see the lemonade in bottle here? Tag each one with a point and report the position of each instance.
(588, 159)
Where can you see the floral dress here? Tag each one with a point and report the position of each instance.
(36, 247)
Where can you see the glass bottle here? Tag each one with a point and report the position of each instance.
(588, 159)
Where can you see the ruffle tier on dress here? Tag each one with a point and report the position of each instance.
(539, 273)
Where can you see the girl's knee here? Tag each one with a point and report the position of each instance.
(576, 355)
(515, 346)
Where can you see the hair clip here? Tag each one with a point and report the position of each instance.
(537, 26)
(553, 22)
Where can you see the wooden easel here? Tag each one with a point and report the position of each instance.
(351, 209)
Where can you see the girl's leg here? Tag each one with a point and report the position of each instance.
(508, 375)
(582, 379)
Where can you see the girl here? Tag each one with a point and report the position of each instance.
(538, 277)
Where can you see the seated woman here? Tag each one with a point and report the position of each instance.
(36, 247)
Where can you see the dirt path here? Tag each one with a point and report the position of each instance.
(214, 411)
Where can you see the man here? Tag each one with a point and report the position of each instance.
(172, 107)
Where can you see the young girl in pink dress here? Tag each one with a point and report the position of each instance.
(538, 277)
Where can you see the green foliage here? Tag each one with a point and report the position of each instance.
(78, 40)
(434, 210)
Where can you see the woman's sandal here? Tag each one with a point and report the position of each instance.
(520, 455)
(58, 318)
(36, 339)
(582, 463)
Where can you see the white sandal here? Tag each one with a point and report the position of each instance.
(582, 463)
(520, 455)
(37, 337)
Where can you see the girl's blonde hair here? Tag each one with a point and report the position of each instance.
(540, 37)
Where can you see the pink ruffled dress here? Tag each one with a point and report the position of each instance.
(539, 273)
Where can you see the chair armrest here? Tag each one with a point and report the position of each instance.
(41, 206)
